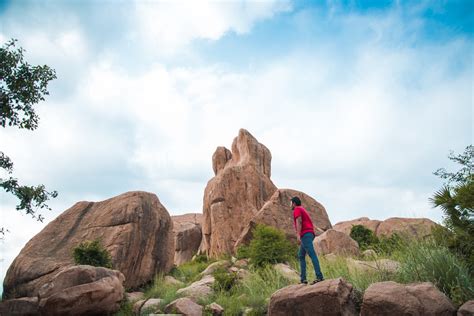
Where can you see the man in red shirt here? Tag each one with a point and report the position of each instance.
(305, 234)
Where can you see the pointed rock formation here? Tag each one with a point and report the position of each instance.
(134, 227)
(238, 191)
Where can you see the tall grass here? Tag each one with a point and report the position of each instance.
(426, 261)
(251, 293)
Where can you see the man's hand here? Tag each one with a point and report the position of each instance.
(298, 239)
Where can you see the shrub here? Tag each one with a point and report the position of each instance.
(224, 280)
(268, 246)
(92, 253)
(364, 237)
(243, 252)
(426, 261)
(201, 259)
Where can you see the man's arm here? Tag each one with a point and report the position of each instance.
(299, 224)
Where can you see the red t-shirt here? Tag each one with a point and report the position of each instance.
(306, 223)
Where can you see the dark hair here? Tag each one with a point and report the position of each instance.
(296, 200)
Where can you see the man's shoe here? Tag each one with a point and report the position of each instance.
(304, 282)
(317, 281)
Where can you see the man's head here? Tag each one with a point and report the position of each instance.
(295, 201)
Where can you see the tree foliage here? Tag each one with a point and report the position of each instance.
(22, 86)
(456, 199)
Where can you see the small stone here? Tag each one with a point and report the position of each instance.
(184, 306)
(215, 309)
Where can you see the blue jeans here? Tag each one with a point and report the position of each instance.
(308, 248)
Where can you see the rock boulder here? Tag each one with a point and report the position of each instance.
(134, 227)
(187, 236)
(410, 227)
(391, 298)
(330, 297)
(82, 290)
(336, 242)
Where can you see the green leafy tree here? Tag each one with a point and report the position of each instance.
(22, 86)
(92, 253)
(456, 199)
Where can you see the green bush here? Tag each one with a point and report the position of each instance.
(268, 246)
(201, 259)
(364, 237)
(243, 252)
(224, 280)
(92, 253)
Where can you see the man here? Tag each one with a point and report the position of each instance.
(305, 234)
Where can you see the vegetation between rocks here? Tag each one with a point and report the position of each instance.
(92, 253)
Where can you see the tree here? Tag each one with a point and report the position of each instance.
(456, 199)
(22, 86)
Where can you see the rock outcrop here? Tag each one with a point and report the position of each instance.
(391, 298)
(240, 188)
(336, 242)
(242, 195)
(277, 212)
(187, 236)
(411, 227)
(82, 290)
(330, 297)
(134, 227)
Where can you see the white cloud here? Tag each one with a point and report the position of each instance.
(169, 26)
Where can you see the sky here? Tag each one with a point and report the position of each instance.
(359, 102)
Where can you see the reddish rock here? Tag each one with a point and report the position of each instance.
(187, 236)
(240, 188)
(391, 298)
(277, 212)
(330, 297)
(82, 290)
(411, 227)
(24, 306)
(467, 309)
(336, 242)
(184, 306)
(134, 227)
(346, 226)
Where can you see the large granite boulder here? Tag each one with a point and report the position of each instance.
(391, 298)
(82, 290)
(277, 212)
(134, 227)
(240, 188)
(336, 242)
(409, 227)
(330, 297)
(187, 236)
